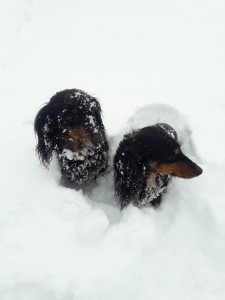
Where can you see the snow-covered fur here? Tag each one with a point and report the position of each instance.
(144, 163)
(70, 125)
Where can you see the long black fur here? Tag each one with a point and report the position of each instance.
(72, 108)
(131, 164)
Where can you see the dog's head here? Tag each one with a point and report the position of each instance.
(163, 154)
(71, 120)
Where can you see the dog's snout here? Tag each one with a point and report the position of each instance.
(188, 168)
(78, 137)
(183, 167)
(197, 170)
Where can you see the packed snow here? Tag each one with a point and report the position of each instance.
(147, 62)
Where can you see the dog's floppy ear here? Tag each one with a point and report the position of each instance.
(96, 108)
(43, 129)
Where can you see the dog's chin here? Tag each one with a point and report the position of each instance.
(184, 176)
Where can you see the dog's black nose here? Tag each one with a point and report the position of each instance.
(198, 171)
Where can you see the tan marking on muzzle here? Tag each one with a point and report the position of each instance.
(79, 137)
(179, 169)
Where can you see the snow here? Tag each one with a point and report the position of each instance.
(74, 155)
(147, 62)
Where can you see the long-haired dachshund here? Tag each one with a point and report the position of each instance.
(70, 125)
(144, 163)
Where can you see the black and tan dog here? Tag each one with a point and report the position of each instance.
(144, 163)
(70, 125)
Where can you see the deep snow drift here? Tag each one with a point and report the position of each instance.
(147, 63)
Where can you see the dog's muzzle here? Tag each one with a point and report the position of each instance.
(191, 168)
(182, 167)
(79, 137)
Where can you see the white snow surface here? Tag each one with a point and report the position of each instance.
(147, 62)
